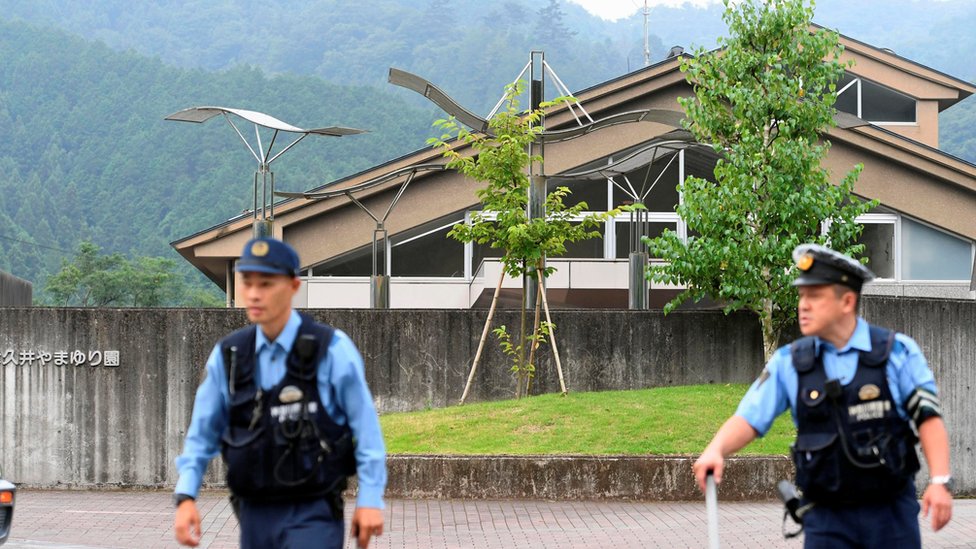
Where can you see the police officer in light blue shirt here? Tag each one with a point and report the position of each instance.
(858, 394)
(285, 402)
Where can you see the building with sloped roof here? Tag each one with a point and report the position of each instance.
(921, 239)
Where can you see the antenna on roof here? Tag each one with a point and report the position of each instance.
(647, 48)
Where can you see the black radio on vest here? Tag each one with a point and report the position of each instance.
(851, 447)
(281, 444)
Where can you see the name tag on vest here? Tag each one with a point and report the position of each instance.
(293, 411)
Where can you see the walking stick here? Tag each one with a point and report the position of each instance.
(711, 508)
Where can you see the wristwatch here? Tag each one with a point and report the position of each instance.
(944, 480)
(180, 498)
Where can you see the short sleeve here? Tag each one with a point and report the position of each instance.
(768, 396)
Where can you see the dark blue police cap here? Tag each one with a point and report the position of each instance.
(820, 265)
(268, 255)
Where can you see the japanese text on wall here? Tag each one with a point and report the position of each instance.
(60, 358)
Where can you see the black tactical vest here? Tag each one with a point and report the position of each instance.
(282, 444)
(852, 447)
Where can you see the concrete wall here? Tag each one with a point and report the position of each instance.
(71, 417)
(946, 332)
(15, 292)
(655, 478)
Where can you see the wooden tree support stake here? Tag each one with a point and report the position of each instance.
(552, 333)
(484, 336)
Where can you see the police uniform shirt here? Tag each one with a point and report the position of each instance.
(341, 371)
(776, 387)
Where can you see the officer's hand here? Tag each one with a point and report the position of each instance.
(710, 460)
(366, 523)
(938, 500)
(186, 527)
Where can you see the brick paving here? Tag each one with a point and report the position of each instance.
(105, 519)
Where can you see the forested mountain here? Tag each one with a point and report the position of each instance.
(84, 87)
(472, 48)
(85, 152)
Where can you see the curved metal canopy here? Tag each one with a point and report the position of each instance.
(329, 193)
(660, 116)
(202, 114)
(425, 88)
(451, 107)
(671, 143)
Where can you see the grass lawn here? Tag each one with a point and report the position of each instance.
(671, 420)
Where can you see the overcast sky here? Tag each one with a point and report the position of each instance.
(616, 9)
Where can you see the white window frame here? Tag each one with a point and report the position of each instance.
(898, 243)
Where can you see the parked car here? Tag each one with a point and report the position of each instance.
(8, 496)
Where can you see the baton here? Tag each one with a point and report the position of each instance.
(711, 507)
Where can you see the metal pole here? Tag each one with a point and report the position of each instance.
(711, 508)
(637, 284)
(379, 284)
(647, 49)
(261, 226)
(537, 178)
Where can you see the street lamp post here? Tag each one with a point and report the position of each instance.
(262, 212)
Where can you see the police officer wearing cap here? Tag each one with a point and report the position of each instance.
(858, 394)
(285, 402)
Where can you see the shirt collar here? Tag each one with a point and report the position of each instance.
(860, 340)
(285, 339)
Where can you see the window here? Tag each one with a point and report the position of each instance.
(930, 254)
(430, 253)
(663, 174)
(594, 193)
(623, 236)
(358, 262)
(902, 249)
(873, 102)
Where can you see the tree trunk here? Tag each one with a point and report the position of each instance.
(769, 332)
(520, 365)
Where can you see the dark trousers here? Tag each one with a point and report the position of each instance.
(302, 525)
(888, 525)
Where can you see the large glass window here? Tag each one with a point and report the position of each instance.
(900, 248)
(594, 193)
(873, 102)
(881, 104)
(481, 252)
(429, 254)
(930, 254)
(358, 262)
(590, 248)
(623, 235)
(663, 174)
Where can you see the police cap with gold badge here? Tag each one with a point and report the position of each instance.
(270, 256)
(820, 265)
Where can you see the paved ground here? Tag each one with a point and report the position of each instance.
(86, 520)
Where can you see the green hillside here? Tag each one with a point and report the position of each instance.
(86, 153)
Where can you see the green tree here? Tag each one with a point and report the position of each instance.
(762, 101)
(93, 279)
(90, 280)
(501, 162)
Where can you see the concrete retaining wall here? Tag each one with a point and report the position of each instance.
(73, 418)
(640, 478)
(15, 292)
